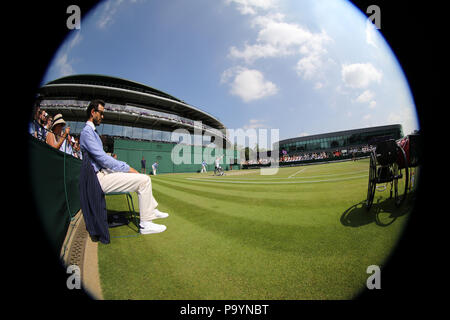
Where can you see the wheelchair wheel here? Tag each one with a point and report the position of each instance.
(372, 180)
(401, 178)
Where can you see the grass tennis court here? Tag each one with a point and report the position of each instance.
(303, 233)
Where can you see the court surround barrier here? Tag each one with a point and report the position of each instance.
(54, 177)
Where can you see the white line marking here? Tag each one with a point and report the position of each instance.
(303, 177)
(275, 182)
(296, 173)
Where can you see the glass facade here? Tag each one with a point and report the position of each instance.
(140, 133)
(338, 140)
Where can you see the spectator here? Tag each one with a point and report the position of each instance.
(76, 149)
(36, 113)
(117, 176)
(48, 123)
(143, 165)
(40, 131)
(203, 167)
(67, 146)
(155, 167)
(67, 143)
(56, 136)
(35, 127)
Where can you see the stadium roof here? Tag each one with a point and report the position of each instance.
(121, 91)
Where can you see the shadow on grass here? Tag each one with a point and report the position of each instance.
(383, 213)
(121, 218)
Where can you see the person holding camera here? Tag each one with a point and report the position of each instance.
(56, 136)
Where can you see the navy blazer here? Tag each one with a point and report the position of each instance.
(93, 203)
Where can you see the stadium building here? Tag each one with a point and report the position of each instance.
(139, 121)
(341, 140)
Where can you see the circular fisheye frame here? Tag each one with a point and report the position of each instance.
(224, 150)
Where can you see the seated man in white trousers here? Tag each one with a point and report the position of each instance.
(118, 176)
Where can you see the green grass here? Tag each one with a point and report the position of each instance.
(300, 234)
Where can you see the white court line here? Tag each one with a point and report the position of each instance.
(296, 172)
(241, 172)
(274, 182)
(284, 178)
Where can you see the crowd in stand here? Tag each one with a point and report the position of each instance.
(326, 154)
(262, 161)
(312, 156)
(53, 131)
(308, 156)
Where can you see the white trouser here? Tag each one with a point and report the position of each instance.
(131, 182)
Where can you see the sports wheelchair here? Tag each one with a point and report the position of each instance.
(388, 166)
(218, 171)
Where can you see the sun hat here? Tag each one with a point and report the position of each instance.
(58, 121)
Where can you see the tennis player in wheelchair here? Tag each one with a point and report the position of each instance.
(217, 168)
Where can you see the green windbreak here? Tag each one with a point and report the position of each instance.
(54, 179)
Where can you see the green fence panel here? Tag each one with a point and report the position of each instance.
(54, 177)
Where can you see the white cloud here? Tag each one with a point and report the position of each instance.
(406, 117)
(263, 20)
(64, 66)
(76, 40)
(255, 124)
(63, 63)
(318, 85)
(107, 14)
(228, 74)
(366, 96)
(308, 66)
(250, 53)
(252, 6)
(110, 9)
(282, 34)
(248, 84)
(360, 75)
(371, 33)
(277, 38)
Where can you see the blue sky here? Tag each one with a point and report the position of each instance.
(303, 67)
